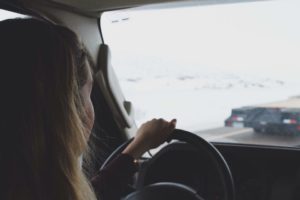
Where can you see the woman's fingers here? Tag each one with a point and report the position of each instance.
(174, 121)
(150, 135)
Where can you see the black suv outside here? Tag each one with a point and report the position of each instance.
(266, 120)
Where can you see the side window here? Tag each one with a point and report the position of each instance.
(4, 14)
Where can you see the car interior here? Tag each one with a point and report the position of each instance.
(211, 163)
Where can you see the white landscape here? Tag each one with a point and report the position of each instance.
(201, 102)
(197, 63)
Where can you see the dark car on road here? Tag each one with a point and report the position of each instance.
(266, 120)
(239, 117)
(290, 121)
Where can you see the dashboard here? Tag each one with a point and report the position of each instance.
(259, 172)
(263, 173)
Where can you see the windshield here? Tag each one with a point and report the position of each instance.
(228, 72)
(4, 14)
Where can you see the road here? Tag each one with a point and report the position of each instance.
(243, 136)
(248, 136)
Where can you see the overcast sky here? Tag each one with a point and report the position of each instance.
(256, 37)
(6, 15)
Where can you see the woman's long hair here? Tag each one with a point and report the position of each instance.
(42, 69)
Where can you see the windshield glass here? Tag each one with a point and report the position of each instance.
(4, 14)
(228, 72)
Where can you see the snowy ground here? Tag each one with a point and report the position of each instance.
(201, 102)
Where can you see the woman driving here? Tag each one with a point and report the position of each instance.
(47, 116)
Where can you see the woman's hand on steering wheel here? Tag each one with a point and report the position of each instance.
(150, 135)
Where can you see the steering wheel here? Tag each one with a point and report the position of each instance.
(176, 191)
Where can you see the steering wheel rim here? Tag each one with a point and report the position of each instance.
(115, 153)
(199, 143)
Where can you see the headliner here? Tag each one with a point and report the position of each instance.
(95, 7)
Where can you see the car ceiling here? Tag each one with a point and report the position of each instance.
(100, 5)
(95, 7)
